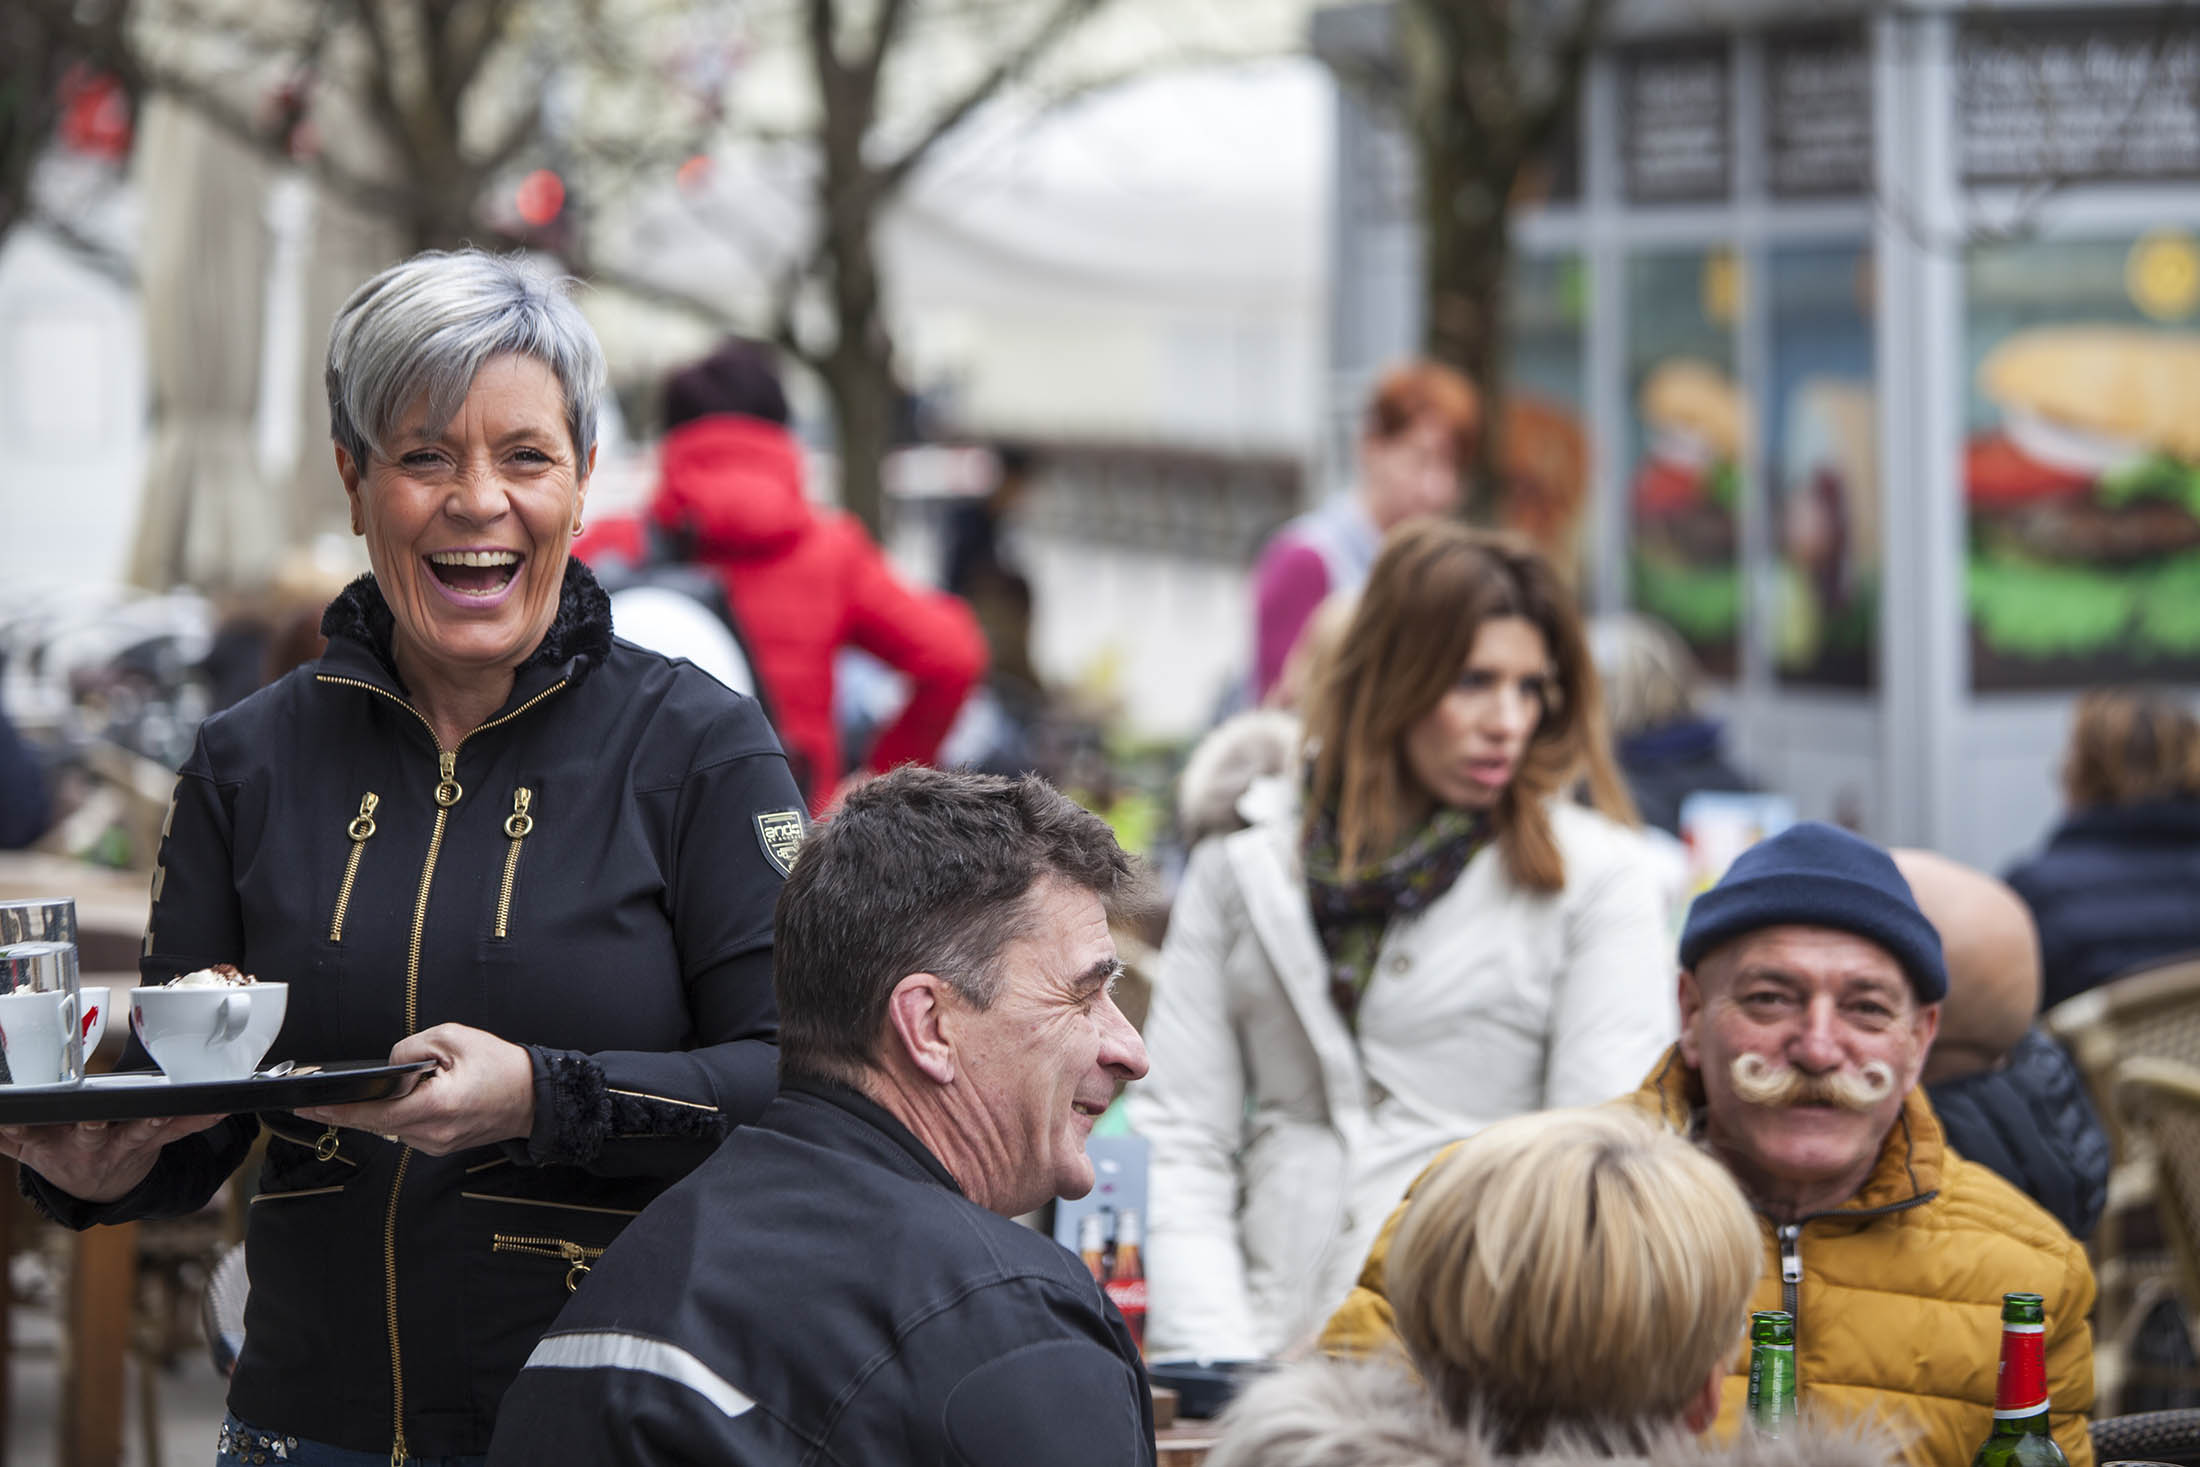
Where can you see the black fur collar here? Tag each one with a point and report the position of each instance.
(582, 628)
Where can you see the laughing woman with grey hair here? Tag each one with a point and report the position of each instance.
(479, 831)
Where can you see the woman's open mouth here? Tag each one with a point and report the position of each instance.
(479, 574)
(1490, 773)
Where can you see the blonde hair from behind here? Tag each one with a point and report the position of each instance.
(1432, 587)
(1649, 674)
(1573, 1272)
(2128, 746)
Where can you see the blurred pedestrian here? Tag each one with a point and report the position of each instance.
(2008, 1096)
(1441, 939)
(1571, 1288)
(1667, 748)
(26, 806)
(980, 568)
(2113, 889)
(1416, 440)
(802, 581)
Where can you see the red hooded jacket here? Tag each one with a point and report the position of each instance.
(803, 582)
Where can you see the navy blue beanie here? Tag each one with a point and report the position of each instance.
(1818, 875)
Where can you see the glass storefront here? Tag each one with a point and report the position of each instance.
(1687, 445)
(1548, 486)
(1823, 466)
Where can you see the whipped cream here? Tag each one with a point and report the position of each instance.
(221, 975)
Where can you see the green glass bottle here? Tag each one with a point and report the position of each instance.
(1772, 1371)
(2019, 1437)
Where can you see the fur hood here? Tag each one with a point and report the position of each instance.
(1328, 1413)
(1242, 772)
(581, 629)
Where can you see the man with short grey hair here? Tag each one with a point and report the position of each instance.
(841, 1281)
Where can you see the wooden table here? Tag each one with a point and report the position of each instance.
(1185, 1444)
(96, 1300)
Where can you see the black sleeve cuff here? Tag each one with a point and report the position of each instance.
(73, 1212)
(572, 1108)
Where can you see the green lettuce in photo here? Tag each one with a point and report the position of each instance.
(2032, 608)
(2158, 477)
(1702, 603)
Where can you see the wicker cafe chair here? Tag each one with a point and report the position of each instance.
(2153, 1013)
(2150, 1436)
(2160, 1099)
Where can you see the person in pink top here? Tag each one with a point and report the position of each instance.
(1419, 434)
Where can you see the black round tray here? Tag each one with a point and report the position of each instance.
(131, 1095)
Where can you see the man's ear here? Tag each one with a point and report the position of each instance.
(1703, 1407)
(1926, 1026)
(916, 1014)
(1691, 1002)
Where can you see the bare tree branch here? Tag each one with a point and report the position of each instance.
(1066, 15)
(95, 252)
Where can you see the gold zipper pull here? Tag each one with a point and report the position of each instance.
(324, 1148)
(448, 789)
(516, 825)
(361, 830)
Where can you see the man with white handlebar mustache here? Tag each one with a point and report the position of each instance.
(1810, 993)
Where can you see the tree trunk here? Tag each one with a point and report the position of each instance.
(859, 369)
(1468, 250)
(861, 385)
(30, 68)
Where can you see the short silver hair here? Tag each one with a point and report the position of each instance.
(422, 329)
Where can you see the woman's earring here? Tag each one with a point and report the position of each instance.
(576, 529)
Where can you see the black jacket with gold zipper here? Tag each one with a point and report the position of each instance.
(590, 873)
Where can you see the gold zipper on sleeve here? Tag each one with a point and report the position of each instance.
(578, 1255)
(361, 831)
(516, 827)
(448, 792)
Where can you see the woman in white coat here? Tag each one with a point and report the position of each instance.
(1441, 938)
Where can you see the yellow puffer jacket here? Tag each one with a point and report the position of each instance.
(1896, 1294)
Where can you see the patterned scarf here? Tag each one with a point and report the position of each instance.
(1353, 908)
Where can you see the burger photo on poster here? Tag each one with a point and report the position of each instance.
(1686, 497)
(2084, 503)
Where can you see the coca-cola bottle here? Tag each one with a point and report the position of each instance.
(1126, 1283)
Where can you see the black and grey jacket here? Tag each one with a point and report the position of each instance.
(590, 873)
(821, 1292)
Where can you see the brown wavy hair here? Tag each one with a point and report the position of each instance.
(2128, 746)
(1433, 586)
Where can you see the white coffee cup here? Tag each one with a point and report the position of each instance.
(91, 1023)
(35, 1029)
(197, 1034)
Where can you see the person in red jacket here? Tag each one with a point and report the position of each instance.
(803, 580)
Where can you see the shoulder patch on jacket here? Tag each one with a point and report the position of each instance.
(780, 833)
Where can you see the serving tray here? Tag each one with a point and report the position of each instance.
(133, 1095)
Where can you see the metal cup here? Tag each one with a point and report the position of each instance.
(38, 919)
(41, 1036)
